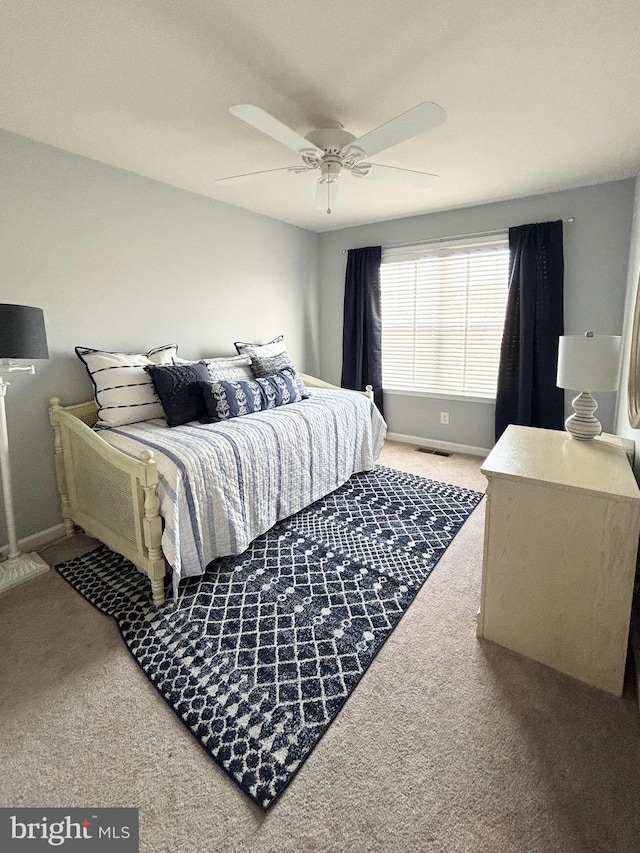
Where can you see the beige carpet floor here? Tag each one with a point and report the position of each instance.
(447, 744)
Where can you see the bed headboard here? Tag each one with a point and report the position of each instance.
(86, 412)
(107, 493)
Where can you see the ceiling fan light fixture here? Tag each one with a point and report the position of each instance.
(330, 171)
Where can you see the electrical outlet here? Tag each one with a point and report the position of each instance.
(444, 418)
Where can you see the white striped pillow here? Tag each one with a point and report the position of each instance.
(227, 367)
(123, 390)
(231, 369)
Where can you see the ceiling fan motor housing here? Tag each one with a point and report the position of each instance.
(338, 153)
(330, 139)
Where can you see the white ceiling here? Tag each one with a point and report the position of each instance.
(540, 95)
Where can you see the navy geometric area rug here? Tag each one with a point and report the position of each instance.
(258, 656)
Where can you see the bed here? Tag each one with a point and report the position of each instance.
(175, 499)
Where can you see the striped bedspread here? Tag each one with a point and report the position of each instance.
(223, 484)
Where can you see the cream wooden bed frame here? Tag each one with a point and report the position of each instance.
(113, 496)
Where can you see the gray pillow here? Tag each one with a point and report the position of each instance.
(270, 365)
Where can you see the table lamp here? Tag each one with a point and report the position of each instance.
(587, 362)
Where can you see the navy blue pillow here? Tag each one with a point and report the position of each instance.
(178, 387)
(228, 399)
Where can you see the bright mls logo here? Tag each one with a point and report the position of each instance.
(77, 830)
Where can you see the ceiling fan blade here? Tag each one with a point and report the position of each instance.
(409, 177)
(250, 176)
(326, 194)
(417, 120)
(261, 120)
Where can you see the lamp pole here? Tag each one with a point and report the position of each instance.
(6, 471)
(17, 567)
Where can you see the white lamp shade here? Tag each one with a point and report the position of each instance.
(589, 363)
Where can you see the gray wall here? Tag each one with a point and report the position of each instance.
(121, 262)
(125, 263)
(596, 248)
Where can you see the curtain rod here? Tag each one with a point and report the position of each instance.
(568, 221)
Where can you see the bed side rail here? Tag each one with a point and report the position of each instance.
(314, 382)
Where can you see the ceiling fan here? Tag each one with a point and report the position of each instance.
(333, 150)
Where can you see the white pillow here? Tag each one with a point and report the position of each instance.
(232, 369)
(275, 347)
(123, 389)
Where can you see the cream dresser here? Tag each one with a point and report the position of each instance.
(561, 537)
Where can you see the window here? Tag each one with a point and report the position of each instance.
(443, 308)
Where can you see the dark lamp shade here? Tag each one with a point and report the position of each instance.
(22, 332)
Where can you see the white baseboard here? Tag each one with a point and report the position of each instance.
(439, 445)
(37, 540)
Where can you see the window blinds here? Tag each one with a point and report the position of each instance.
(443, 309)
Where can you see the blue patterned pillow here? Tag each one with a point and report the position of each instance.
(227, 399)
(180, 394)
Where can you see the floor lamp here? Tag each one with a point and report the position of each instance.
(23, 336)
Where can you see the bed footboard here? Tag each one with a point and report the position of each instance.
(107, 493)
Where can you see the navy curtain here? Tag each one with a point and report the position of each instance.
(527, 392)
(362, 330)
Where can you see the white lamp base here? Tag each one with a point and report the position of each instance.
(15, 570)
(583, 425)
